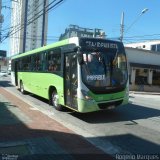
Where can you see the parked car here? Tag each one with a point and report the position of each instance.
(3, 74)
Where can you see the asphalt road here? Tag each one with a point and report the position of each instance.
(130, 129)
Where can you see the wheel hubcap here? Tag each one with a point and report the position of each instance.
(55, 99)
(22, 87)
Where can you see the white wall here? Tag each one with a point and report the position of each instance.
(142, 56)
(143, 45)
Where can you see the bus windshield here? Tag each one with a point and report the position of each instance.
(104, 69)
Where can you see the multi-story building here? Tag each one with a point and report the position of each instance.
(27, 22)
(76, 31)
(153, 45)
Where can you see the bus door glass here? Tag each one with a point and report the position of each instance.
(70, 80)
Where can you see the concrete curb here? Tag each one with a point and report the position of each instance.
(144, 93)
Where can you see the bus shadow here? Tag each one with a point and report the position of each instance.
(46, 102)
(131, 145)
(40, 138)
(128, 112)
(50, 142)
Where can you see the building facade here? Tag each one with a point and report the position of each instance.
(76, 31)
(144, 69)
(144, 64)
(27, 22)
(153, 45)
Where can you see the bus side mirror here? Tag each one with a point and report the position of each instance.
(79, 56)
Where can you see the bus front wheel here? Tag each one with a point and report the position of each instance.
(55, 100)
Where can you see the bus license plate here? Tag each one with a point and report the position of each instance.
(111, 107)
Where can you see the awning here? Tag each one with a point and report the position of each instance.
(146, 66)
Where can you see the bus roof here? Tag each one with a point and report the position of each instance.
(53, 45)
(72, 40)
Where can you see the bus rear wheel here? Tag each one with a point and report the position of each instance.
(55, 100)
(22, 88)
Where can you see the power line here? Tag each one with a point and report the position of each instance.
(33, 18)
(148, 36)
(6, 7)
(31, 21)
(30, 36)
(142, 36)
(19, 25)
(37, 38)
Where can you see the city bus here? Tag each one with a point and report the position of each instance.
(83, 74)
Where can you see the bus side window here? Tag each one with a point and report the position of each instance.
(19, 64)
(44, 61)
(50, 61)
(54, 60)
(38, 62)
(57, 61)
(33, 62)
(25, 63)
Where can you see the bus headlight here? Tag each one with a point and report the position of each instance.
(85, 95)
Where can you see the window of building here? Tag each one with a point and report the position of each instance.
(141, 77)
(156, 77)
(139, 47)
(158, 47)
(153, 47)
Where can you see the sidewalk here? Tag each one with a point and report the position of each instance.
(26, 133)
(144, 93)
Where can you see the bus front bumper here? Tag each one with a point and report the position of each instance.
(85, 106)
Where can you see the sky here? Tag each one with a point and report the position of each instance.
(102, 14)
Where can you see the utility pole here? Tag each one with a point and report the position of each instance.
(1, 20)
(43, 23)
(25, 26)
(122, 27)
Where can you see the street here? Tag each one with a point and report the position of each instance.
(130, 129)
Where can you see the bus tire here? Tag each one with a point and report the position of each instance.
(55, 100)
(22, 88)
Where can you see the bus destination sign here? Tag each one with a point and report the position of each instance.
(98, 44)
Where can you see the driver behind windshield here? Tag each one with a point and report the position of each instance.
(94, 68)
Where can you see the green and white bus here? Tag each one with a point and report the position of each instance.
(83, 74)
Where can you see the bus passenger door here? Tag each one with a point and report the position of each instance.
(70, 80)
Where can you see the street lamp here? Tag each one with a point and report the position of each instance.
(144, 10)
(122, 23)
